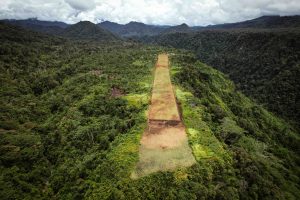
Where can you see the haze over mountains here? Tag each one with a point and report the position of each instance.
(138, 29)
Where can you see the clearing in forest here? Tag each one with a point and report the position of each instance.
(164, 145)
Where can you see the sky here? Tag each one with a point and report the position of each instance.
(157, 12)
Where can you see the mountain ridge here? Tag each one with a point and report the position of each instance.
(86, 30)
(182, 28)
(274, 21)
(139, 29)
(132, 28)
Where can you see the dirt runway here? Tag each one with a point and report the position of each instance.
(164, 145)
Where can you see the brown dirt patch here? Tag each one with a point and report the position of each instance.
(163, 102)
(116, 92)
(163, 137)
(164, 145)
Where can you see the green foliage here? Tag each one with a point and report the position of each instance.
(60, 120)
(264, 64)
(86, 30)
(261, 150)
(72, 115)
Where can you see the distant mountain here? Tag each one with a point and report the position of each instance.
(88, 31)
(180, 28)
(34, 21)
(261, 22)
(137, 29)
(112, 26)
(51, 27)
(132, 29)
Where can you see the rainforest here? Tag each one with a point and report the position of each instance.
(137, 111)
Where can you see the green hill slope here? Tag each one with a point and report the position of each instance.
(64, 107)
(262, 149)
(262, 22)
(86, 30)
(72, 115)
(263, 64)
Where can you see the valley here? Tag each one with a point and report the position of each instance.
(139, 111)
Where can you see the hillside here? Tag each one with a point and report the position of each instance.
(264, 64)
(180, 28)
(73, 113)
(48, 86)
(132, 29)
(83, 30)
(112, 27)
(50, 27)
(86, 30)
(252, 138)
(261, 22)
(57, 28)
(138, 29)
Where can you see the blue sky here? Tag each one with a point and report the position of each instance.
(160, 12)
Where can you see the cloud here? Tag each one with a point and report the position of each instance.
(192, 12)
(81, 5)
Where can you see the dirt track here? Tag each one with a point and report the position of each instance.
(164, 145)
(163, 102)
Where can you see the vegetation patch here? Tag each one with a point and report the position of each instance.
(232, 133)
(62, 135)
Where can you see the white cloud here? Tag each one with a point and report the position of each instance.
(192, 12)
(81, 5)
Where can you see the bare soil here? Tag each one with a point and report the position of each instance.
(116, 92)
(164, 145)
(163, 102)
(164, 137)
